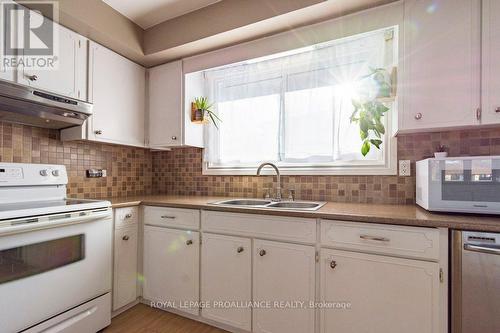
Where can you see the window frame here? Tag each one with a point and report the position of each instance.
(356, 168)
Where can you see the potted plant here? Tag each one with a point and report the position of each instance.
(368, 112)
(203, 111)
(441, 152)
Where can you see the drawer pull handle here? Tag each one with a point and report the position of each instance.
(125, 238)
(333, 264)
(189, 242)
(127, 216)
(374, 238)
(168, 217)
(240, 249)
(262, 252)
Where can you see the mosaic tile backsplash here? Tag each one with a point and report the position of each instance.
(136, 171)
(129, 170)
(179, 172)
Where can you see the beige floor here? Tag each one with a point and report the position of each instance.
(144, 319)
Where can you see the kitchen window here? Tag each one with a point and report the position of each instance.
(294, 109)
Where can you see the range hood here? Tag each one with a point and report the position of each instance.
(30, 106)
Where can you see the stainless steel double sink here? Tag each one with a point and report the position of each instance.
(269, 204)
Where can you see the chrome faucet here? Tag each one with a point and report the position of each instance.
(278, 191)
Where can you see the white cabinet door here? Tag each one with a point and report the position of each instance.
(171, 267)
(6, 73)
(125, 267)
(165, 105)
(441, 85)
(226, 276)
(490, 64)
(386, 294)
(69, 75)
(117, 90)
(283, 273)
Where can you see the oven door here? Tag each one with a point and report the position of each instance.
(51, 264)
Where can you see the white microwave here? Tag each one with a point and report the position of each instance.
(459, 184)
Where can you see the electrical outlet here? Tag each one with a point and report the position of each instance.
(404, 168)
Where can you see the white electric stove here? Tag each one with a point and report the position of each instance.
(55, 254)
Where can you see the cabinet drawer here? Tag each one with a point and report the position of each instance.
(401, 241)
(262, 226)
(126, 216)
(172, 217)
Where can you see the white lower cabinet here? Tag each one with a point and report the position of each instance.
(360, 277)
(226, 270)
(171, 267)
(283, 274)
(125, 266)
(387, 294)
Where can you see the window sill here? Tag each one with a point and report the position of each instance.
(330, 171)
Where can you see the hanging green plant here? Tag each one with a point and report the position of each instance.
(204, 110)
(369, 113)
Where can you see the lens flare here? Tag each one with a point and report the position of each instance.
(431, 9)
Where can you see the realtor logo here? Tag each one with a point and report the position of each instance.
(29, 39)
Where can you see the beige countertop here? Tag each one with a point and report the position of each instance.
(389, 214)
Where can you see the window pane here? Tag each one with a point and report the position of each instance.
(249, 129)
(309, 116)
(347, 135)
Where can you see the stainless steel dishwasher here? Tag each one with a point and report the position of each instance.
(475, 280)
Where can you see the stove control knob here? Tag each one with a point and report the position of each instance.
(55, 173)
(44, 173)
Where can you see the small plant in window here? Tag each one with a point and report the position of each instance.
(369, 112)
(203, 111)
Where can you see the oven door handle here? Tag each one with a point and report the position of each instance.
(482, 249)
(25, 225)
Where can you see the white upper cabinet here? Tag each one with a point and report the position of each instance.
(69, 77)
(169, 113)
(490, 62)
(117, 91)
(5, 72)
(441, 85)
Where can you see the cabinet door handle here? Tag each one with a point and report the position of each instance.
(174, 137)
(240, 249)
(32, 77)
(333, 264)
(168, 217)
(127, 216)
(125, 238)
(189, 242)
(374, 238)
(418, 116)
(98, 132)
(262, 252)
(497, 110)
